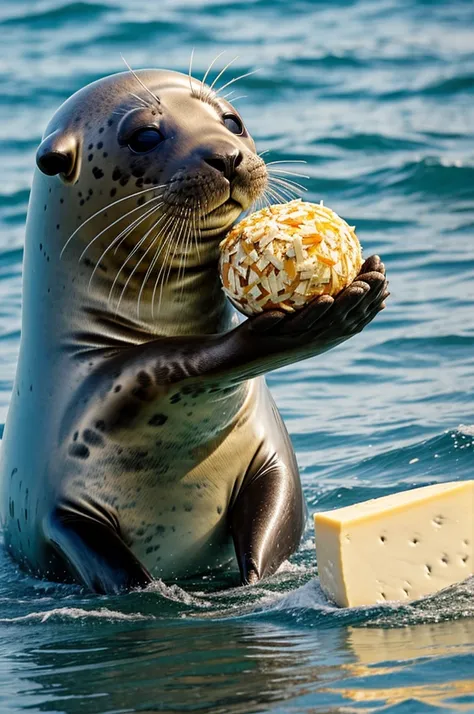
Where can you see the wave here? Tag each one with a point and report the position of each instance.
(371, 142)
(428, 178)
(139, 32)
(452, 85)
(17, 198)
(421, 464)
(50, 18)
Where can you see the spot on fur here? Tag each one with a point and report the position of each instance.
(79, 451)
(92, 438)
(158, 420)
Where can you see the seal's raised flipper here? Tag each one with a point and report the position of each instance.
(269, 340)
(94, 554)
(267, 519)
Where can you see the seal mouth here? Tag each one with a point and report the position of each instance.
(221, 218)
(224, 208)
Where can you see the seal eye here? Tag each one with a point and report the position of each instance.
(233, 123)
(144, 140)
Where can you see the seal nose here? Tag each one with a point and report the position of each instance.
(226, 164)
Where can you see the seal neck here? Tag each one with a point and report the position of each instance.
(101, 291)
(189, 304)
(60, 298)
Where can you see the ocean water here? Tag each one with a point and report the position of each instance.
(377, 96)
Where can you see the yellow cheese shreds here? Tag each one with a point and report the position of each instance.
(285, 255)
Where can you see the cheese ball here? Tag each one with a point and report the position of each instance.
(285, 255)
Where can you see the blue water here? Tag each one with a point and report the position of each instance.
(378, 97)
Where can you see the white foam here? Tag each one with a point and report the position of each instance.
(175, 594)
(78, 613)
(308, 597)
(467, 429)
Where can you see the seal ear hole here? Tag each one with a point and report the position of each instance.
(52, 163)
(57, 154)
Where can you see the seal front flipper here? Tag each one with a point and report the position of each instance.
(93, 553)
(325, 322)
(270, 340)
(267, 519)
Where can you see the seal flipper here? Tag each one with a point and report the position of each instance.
(267, 519)
(94, 553)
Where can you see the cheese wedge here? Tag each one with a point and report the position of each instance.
(399, 547)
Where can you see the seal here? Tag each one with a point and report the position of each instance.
(141, 440)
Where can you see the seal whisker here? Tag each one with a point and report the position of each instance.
(190, 73)
(150, 267)
(203, 80)
(265, 151)
(287, 182)
(149, 271)
(111, 225)
(160, 272)
(287, 173)
(265, 198)
(284, 161)
(126, 284)
(236, 79)
(183, 226)
(170, 263)
(176, 235)
(169, 243)
(270, 192)
(216, 79)
(283, 191)
(123, 233)
(197, 231)
(126, 232)
(141, 100)
(186, 249)
(275, 196)
(123, 112)
(140, 82)
(184, 238)
(166, 246)
(174, 220)
(144, 281)
(135, 249)
(290, 185)
(106, 208)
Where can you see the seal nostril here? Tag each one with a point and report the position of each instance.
(218, 163)
(227, 164)
(238, 156)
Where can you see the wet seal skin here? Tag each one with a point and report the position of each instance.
(142, 441)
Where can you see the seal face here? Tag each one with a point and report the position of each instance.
(141, 439)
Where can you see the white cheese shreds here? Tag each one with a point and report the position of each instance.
(287, 254)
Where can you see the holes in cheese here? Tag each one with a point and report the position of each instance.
(398, 547)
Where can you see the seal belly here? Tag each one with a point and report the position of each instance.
(171, 495)
(185, 531)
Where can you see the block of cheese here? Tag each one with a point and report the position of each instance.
(398, 547)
